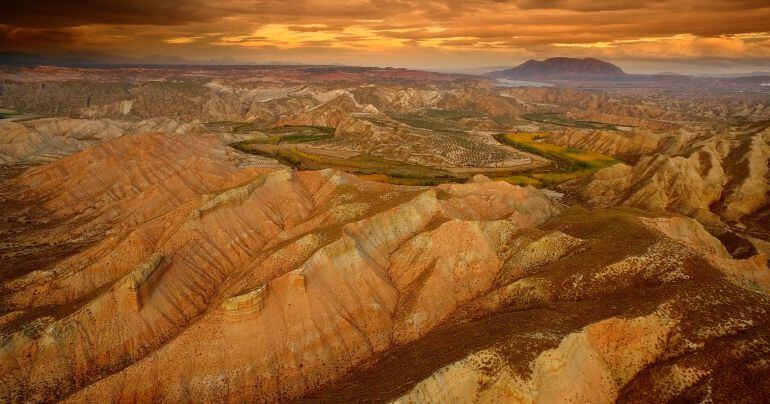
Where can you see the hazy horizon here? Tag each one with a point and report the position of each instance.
(154, 60)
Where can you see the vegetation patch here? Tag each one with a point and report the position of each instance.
(303, 129)
(440, 120)
(285, 134)
(360, 164)
(571, 163)
(555, 178)
(426, 121)
(7, 113)
(273, 139)
(522, 180)
(413, 181)
(571, 159)
(555, 119)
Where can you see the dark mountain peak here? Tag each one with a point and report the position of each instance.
(561, 67)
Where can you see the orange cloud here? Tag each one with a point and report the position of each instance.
(393, 31)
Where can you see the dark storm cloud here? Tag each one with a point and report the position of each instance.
(576, 5)
(663, 5)
(58, 13)
(12, 37)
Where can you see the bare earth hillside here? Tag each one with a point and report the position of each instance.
(339, 234)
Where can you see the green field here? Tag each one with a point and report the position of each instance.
(7, 114)
(360, 164)
(571, 162)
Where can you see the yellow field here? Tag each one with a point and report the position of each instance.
(571, 162)
(536, 142)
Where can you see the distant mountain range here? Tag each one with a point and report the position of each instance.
(557, 70)
(561, 68)
(595, 72)
(736, 75)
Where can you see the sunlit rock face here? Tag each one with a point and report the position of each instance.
(217, 235)
(720, 178)
(198, 278)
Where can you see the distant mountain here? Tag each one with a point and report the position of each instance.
(561, 68)
(736, 75)
(477, 71)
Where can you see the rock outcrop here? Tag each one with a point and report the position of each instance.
(48, 139)
(142, 259)
(628, 146)
(721, 178)
(591, 365)
(188, 230)
(201, 280)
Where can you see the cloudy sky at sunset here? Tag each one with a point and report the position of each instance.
(641, 36)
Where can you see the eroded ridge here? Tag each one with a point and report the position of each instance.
(245, 283)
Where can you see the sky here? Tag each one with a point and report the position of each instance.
(642, 36)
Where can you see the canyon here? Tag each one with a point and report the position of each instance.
(345, 234)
